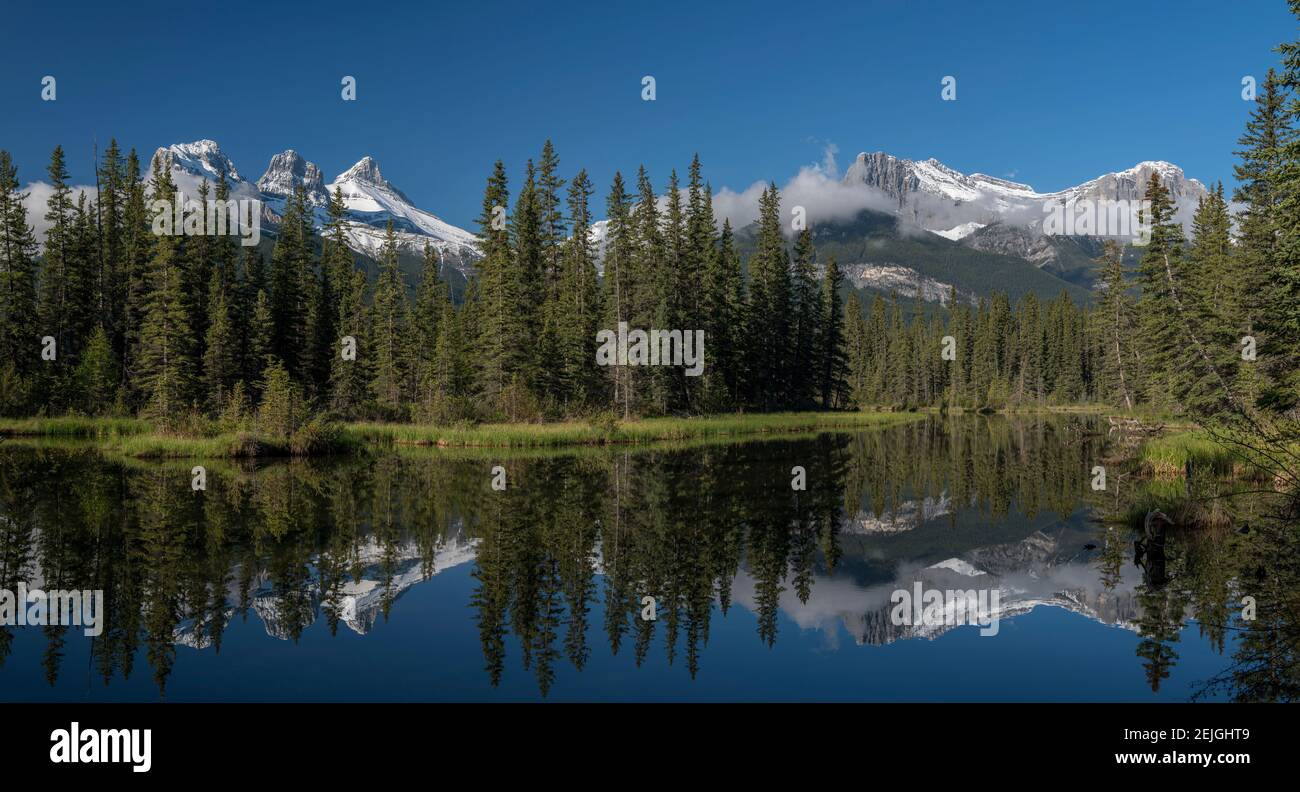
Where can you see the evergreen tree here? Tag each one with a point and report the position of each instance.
(221, 350)
(578, 305)
(1280, 321)
(621, 283)
(832, 356)
(502, 325)
(768, 326)
(287, 287)
(805, 308)
(430, 297)
(62, 284)
(167, 368)
(96, 376)
(388, 325)
(649, 303)
(1258, 191)
(137, 242)
(18, 317)
(113, 190)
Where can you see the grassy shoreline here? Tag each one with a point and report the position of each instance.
(1170, 454)
(137, 438)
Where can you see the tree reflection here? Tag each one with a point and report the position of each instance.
(599, 531)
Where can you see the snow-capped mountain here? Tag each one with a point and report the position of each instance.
(288, 170)
(953, 204)
(370, 201)
(1000, 216)
(982, 212)
(202, 158)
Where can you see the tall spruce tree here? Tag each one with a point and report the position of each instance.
(832, 354)
(388, 323)
(806, 309)
(621, 283)
(1117, 320)
(167, 367)
(768, 327)
(18, 318)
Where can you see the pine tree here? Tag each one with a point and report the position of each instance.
(858, 353)
(350, 378)
(137, 242)
(388, 325)
(1214, 302)
(166, 365)
(198, 250)
(1159, 276)
(60, 276)
(221, 350)
(1280, 320)
(526, 279)
(1029, 382)
(672, 287)
(832, 356)
(429, 300)
(551, 228)
(720, 309)
(1267, 132)
(18, 317)
(113, 190)
(805, 308)
(769, 308)
(649, 305)
(96, 375)
(502, 324)
(578, 305)
(287, 287)
(620, 282)
(349, 384)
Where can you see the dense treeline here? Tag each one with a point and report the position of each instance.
(182, 328)
(192, 328)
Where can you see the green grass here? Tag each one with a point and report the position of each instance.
(74, 426)
(137, 439)
(229, 445)
(649, 430)
(1167, 456)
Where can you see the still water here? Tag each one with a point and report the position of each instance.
(404, 576)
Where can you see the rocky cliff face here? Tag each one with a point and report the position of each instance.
(286, 171)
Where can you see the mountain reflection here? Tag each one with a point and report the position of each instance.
(562, 559)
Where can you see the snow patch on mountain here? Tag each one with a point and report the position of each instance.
(959, 232)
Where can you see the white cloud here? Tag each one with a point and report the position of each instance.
(816, 187)
(37, 203)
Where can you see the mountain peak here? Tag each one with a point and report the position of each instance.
(202, 158)
(366, 170)
(286, 171)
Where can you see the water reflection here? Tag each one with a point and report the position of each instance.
(562, 559)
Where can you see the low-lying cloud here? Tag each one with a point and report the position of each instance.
(38, 200)
(817, 188)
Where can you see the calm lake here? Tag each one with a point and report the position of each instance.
(404, 575)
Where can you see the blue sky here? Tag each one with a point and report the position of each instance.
(1050, 94)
